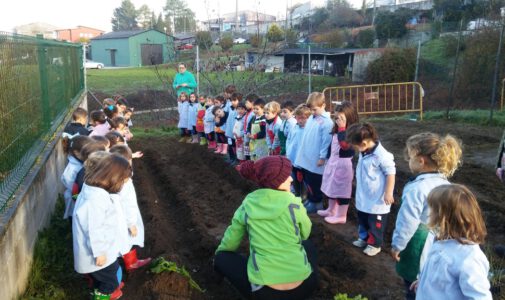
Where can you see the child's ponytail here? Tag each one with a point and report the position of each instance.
(448, 155)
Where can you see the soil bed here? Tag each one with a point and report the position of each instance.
(188, 196)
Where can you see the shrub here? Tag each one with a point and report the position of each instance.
(333, 39)
(396, 65)
(256, 40)
(366, 38)
(275, 34)
(204, 39)
(226, 42)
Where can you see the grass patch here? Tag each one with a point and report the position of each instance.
(52, 275)
(434, 51)
(129, 80)
(142, 132)
(477, 117)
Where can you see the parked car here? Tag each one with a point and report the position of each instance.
(239, 41)
(93, 64)
(185, 47)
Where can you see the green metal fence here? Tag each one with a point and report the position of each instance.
(39, 82)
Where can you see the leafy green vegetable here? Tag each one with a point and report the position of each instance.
(160, 265)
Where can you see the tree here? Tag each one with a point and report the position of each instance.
(125, 17)
(366, 38)
(204, 39)
(391, 25)
(275, 34)
(332, 39)
(162, 25)
(183, 18)
(396, 65)
(291, 37)
(144, 17)
(226, 42)
(341, 14)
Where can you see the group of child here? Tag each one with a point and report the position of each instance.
(100, 197)
(321, 148)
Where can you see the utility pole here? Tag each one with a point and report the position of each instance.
(417, 72)
(451, 91)
(496, 70)
(236, 16)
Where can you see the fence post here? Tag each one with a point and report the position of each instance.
(496, 72)
(44, 93)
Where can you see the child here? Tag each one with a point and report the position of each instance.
(221, 118)
(111, 112)
(500, 165)
(256, 131)
(86, 151)
(302, 114)
(209, 124)
(432, 159)
(133, 218)
(99, 122)
(121, 126)
(338, 172)
(192, 112)
(249, 114)
(313, 150)
(232, 114)
(122, 105)
(183, 109)
(282, 262)
(456, 267)
(102, 140)
(95, 226)
(375, 181)
(222, 141)
(227, 95)
(238, 132)
(73, 167)
(288, 124)
(78, 124)
(115, 138)
(272, 110)
(128, 116)
(200, 124)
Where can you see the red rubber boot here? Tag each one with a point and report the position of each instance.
(131, 262)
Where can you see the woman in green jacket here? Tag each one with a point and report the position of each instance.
(282, 262)
(184, 81)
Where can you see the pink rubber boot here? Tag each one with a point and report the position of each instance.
(330, 211)
(341, 215)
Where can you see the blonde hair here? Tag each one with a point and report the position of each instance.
(316, 99)
(273, 107)
(455, 214)
(302, 110)
(444, 152)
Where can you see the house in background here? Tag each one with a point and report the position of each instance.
(79, 34)
(48, 31)
(133, 48)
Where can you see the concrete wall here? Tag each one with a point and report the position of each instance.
(361, 60)
(31, 211)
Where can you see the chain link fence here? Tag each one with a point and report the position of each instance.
(39, 81)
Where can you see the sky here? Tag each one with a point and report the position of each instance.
(98, 13)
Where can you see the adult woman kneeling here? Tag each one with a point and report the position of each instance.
(282, 262)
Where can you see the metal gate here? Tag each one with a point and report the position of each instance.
(388, 98)
(152, 54)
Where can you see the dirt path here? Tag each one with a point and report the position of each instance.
(188, 196)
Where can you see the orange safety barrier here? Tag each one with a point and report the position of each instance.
(387, 98)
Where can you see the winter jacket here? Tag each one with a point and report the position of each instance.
(73, 129)
(315, 142)
(100, 129)
(94, 229)
(192, 112)
(454, 271)
(371, 173)
(273, 128)
(186, 77)
(276, 222)
(286, 127)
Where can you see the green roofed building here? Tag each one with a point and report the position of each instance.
(133, 48)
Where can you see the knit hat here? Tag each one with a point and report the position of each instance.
(268, 172)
